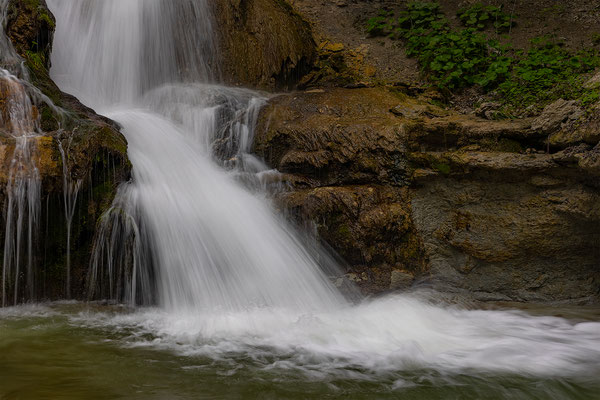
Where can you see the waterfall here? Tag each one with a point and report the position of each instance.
(194, 229)
(19, 119)
(9, 59)
(70, 192)
(194, 233)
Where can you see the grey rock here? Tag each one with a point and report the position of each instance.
(557, 115)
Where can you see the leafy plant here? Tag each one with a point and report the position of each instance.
(454, 59)
(381, 24)
(480, 17)
(421, 17)
(36, 59)
(546, 72)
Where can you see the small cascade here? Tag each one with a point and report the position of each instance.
(119, 253)
(9, 59)
(202, 236)
(19, 119)
(153, 41)
(70, 192)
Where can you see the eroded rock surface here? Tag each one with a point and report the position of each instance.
(401, 188)
(263, 43)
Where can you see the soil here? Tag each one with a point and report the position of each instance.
(343, 21)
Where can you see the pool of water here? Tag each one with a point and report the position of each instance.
(92, 351)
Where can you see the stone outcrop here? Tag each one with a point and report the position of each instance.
(401, 188)
(30, 27)
(95, 155)
(263, 43)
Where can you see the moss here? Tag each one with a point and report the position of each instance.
(503, 145)
(344, 232)
(113, 141)
(48, 120)
(36, 59)
(45, 18)
(441, 167)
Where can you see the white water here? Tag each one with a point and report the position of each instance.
(23, 190)
(230, 276)
(213, 244)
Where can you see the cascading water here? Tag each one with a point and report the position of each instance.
(18, 120)
(70, 193)
(229, 275)
(23, 190)
(213, 244)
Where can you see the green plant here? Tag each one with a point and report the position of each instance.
(481, 17)
(455, 59)
(36, 59)
(452, 59)
(421, 17)
(546, 72)
(380, 25)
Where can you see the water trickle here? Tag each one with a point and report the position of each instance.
(70, 192)
(18, 119)
(9, 60)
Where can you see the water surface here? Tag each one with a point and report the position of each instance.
(76, 351)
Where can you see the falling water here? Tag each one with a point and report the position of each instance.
(9, 59)
(194, 232)
(213, 243)
(70, 192)
(18, 119)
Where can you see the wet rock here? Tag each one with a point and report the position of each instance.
(586, 131)
(532, 238)
(400, 279)
(488, 110)
(30, 26)
(95, 156)
(334, 136)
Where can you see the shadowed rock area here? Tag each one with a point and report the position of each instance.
(263, 43)
(95, 160)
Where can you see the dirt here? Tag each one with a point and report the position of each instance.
(343, 21)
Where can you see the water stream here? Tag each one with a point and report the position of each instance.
(23, 190)
(229, 300)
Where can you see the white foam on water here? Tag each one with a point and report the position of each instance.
(232, 280)
(386, 336)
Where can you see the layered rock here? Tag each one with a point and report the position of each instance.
(399, 188)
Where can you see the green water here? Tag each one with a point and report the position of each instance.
(48, 353)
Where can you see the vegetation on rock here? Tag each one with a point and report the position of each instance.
(455, 59)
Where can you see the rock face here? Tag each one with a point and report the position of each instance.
(400, 188)
(94, 161)
(30, 26)
(263, 43)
